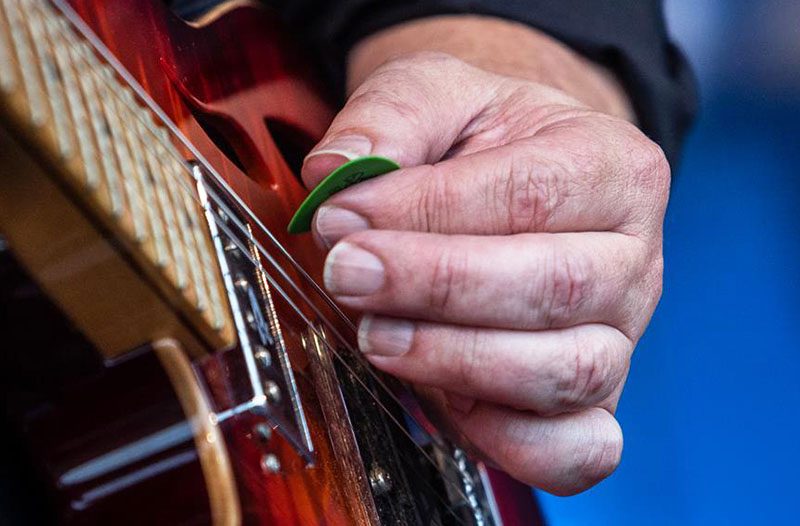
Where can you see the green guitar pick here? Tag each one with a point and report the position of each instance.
(346, 175)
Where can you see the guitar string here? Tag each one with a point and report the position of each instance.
(233, 196)
(89, 35)
(331, 349)
(445, 480)
(322, 338)
(112, 60)
(86, 31)
(220, 202)
(436, 441)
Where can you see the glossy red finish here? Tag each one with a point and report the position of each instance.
(238, 77)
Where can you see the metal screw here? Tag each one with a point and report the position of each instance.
(262, 356)
(263, 432)
(270, 463)
(272, 392)
(380, 481)
(230, 246)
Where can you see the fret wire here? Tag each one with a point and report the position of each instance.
(80, 117)
(65, 58)
(205, 277)
(8, 77)
(133, 177)
(147, 182)
(161, 136)
(193, 251)
(127, 168)
(113, 178)
(204, 163)
(33, 88)
(50, 73)
(184, 229)
(158, 112)
(142, 186)
(83, 65)
(211, 273)
(108, 175)
(156, 170)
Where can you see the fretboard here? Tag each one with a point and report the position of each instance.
(112, 154)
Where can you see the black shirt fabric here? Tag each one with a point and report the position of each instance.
(628, 36)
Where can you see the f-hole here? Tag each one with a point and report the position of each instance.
(292, 142)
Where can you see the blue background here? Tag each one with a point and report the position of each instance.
(711, 411)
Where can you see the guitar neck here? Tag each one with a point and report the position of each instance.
(112, 157)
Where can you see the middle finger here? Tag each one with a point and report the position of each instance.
(525, 281)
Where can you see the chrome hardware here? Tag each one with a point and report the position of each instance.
(270, 464)
(230, 248)
(475, 497)
(379, 481)
(263, 432)
(272, 392)
(262, 356)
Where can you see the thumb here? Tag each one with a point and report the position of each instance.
(411, 110)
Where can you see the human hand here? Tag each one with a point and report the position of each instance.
(509, 268)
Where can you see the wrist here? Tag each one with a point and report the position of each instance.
(496, 45)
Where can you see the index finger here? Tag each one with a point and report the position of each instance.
(583, 176)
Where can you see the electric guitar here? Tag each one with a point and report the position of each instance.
(168, 354)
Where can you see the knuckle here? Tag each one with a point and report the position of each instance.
(382, 97)
(590, 375)
(601, 453)
(566, 281)
(433, 199)
(448, 280)
(650, 167)
(412, 75)
(530, 195)
(472, 364)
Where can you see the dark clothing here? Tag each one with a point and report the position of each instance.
(629, 36)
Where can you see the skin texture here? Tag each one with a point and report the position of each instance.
(509, 268)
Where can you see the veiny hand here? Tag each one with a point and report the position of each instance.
(509, 268)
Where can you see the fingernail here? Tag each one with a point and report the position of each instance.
(332, 223)
(350, 147)
(385, 336)
(352, 271)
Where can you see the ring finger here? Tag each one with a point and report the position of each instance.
(548, 372)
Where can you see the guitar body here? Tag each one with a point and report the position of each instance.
(152, 421)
